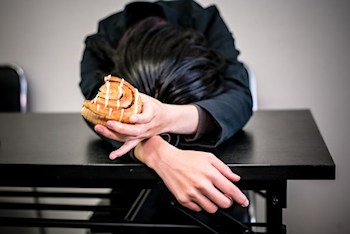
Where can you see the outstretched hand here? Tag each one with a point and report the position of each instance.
(198, 180)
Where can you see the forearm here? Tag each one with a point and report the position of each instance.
(181, 119)
(149, 151)
(197, 179)
(230, 116)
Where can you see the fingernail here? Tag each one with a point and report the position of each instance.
(231, 200)
(246, 203)
(133, 119)
(110, 124)
(99, 129)
(112, 156)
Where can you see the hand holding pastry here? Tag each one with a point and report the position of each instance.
(152, 121)
(156, 118)
(116, 100)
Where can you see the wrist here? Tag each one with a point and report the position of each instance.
(181, 119)
(149, 151)
(168, 118)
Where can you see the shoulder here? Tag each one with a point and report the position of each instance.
(189, 13)
(113, 27)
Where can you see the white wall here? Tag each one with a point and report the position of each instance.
(298, 49)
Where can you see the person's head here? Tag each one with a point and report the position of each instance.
(168, 62)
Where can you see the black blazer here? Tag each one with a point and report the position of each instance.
(232, 109)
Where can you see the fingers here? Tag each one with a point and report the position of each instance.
(106, 132)
(231, 200)
(225, 184)
(224, 170)
(192, 205)
(124, 149)
(208, 200)
(216, 196)
(145, 117)
(124, 129)
(119, 131)
(236, 194)
(147, 113)
(199, 202)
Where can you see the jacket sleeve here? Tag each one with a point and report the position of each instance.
(232, 109)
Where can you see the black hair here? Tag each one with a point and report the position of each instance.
(168, 62)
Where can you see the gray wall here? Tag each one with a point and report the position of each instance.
(298, 49)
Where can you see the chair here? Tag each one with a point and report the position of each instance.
(254, 92)
(13, 89)
(13, 96)
(252, 85)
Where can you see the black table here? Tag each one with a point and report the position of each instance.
(59, 150)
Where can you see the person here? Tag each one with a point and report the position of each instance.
(205, 118)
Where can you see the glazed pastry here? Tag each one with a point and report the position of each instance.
(116, 100)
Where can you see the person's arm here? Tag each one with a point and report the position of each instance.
(198, 180)
(231, 109)
(156, 118)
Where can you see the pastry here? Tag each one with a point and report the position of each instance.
(116, 100)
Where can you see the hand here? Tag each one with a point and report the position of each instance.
(156, 118)
(198, 180)
(152, 121)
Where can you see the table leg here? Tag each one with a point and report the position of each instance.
(276, 196)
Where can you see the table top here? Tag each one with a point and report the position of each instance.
(55, 148)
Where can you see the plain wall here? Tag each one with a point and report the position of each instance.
(298, 49)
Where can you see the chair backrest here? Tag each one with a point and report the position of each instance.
(252, 209)
(13, 89)
(252, 86)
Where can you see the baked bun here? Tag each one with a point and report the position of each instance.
(116, 100)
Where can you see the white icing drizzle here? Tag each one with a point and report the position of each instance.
(98, 107)
(120, 87)
(121, 115)
(95, 99)
(107, 77)
(110, 112)
(136, 100)
(108, 84)
(118, 104)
